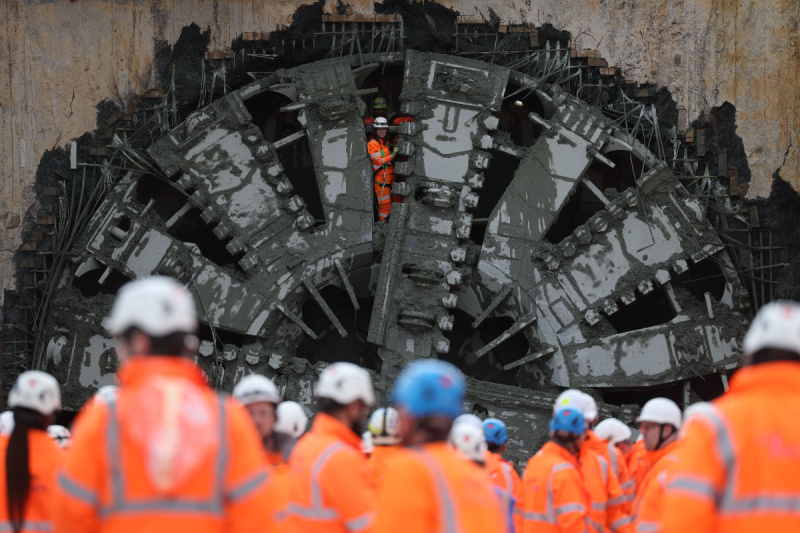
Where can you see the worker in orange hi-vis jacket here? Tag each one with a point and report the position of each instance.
(638, 463)
(738, 466)
(331, 489)
(431, 487)
(659, 423)
(168, 453)
(384, 428)
(500, 471)
(29, 459)
(382, 154)
(554, 495)
(616, 436)
(610, 510)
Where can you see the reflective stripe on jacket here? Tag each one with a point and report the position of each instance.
(650, 502)
(330, 486)
(432, 489)
(382, 161)
(738, 467)
(44, 459)
(554, 497)
(134, 467)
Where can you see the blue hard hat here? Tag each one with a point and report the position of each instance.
(430, 387)
(495, 431)
(568, 419)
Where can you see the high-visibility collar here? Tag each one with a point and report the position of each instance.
(142, 367)
(553, 448)
(780, 375)
(655, 455)
(595, 443)
(327, 425)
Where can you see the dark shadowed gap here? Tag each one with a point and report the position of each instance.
(580, 207)
(497, 178)
(651, 309)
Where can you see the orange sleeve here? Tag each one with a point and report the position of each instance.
(349, 488)
(247, 508)
(374, 149)
(649, 515)
(570, 501)
(405, 503)
(80, 483)
(618, 510)
(516, 484)
(699, 474)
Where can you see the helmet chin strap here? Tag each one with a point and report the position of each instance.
(661, 437)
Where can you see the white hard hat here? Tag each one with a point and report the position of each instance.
(384, 424)
(366, 442)
(345, 383)
(292, 419)
(36, 390)
(107, 393)
(591, 407)
(6, 422)
(255, 388)
(661, 411)
(380, 123)
(469, 440)
(613, 430)
(572, 398)
(157, 305)
(776, 325)
(60, 434)
(468, 418)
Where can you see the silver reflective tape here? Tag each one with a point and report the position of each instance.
(648, 527)
(569, 508)
(359, 524)
(37, 525)
(247, 487)
(693, 486)
(77, 491)
(619, 500)
(599, 506)
(620, 522)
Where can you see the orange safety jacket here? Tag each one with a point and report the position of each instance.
(380, 152)
(649, 504)
(44, 460)
(638, 465)
(609, 504)
(739, 466)
(380, 459)
(432, 488)
(169, 454)
(554, 496)
(507, 481)
(330, 490)
(618, 465)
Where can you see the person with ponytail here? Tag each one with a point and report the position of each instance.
(30, 458)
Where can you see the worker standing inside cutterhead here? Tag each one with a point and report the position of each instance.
(30, 458)
(379, 110)
(382, 155)
(738, 466)
(430, 487)
(331, 489)
(554, 497)
(168, 453)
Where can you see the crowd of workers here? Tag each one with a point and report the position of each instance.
(164, 452)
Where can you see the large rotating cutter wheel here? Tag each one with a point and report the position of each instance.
(276, 277)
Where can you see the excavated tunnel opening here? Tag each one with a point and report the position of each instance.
(511, 140)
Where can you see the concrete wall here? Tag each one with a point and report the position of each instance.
(63, 58)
